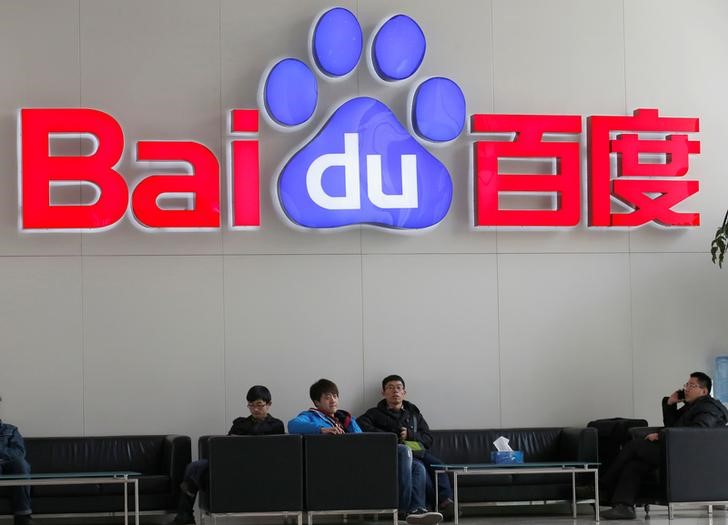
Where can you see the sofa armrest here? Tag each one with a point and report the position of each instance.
(176, 456)
(696, 460)
(203, 446)
(579, 444)
(351, 471)
(641, 432)
(253, 474)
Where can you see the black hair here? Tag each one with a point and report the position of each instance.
(703, 380)
(321, 387)
(392, 377)
(258, 392)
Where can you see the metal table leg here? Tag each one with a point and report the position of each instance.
(573, 493)
(136, 501)
(596, 495)
(126, 500)
(455, 499)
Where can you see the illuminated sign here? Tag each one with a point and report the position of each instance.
(363, 166)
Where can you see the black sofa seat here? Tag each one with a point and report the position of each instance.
(160, 459)
(539, 445)
(252, 474)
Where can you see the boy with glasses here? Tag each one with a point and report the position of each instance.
(641, 456)
(258, 423)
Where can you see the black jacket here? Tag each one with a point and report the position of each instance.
(382, 419)
(703, 412)
(249, 426)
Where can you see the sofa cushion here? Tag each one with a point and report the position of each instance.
(156, 484)
(474, 446)
(95, 454)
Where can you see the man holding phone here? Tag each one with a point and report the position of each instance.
(640, 456)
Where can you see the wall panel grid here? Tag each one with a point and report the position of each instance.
(129, 331)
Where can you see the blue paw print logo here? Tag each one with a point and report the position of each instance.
(363, 166)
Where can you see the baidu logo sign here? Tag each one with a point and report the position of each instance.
(363, 166)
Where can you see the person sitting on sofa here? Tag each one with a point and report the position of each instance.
(399, 416)
(641, 456)
(258, 423)
(12, 461)
(325, 416)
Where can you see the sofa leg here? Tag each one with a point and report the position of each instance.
(647, 508)
(670, 511)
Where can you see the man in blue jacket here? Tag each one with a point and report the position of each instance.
(325, 416)
(12, 461)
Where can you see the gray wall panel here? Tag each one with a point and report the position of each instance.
(164, 332)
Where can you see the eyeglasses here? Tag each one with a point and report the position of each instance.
(258, 404)
(689, 386)
(394, 388)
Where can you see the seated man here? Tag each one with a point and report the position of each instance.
(12, 461)
(258, 423)
(395, 414)
(325, 417)
(641, 456)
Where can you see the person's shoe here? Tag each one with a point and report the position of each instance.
(25, 519)
(619, 512)
(184, 519)
(447, 508)
(188, 487)
(423, 517)
(587, 492)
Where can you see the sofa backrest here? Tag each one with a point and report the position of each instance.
(96, 454)
(475, 445)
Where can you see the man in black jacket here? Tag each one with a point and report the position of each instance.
(396, 415)
(258, 423)
(641, 456)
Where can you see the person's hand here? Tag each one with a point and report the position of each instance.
(332, 430)
(673, 399)
(403, 434)
(652, 437)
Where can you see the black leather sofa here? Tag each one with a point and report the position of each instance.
(537, 445)
(321, 474)
(693, 469)
(160, 459)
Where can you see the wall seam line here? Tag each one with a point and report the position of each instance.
(629, 233)
(497, 251)
(83, 258)
(222, 235)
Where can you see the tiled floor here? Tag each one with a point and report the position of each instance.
(658, 516)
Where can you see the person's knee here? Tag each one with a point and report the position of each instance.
(404, 454)
(419, 468)
(16, 466)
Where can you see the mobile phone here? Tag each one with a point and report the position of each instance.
(681, 395)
